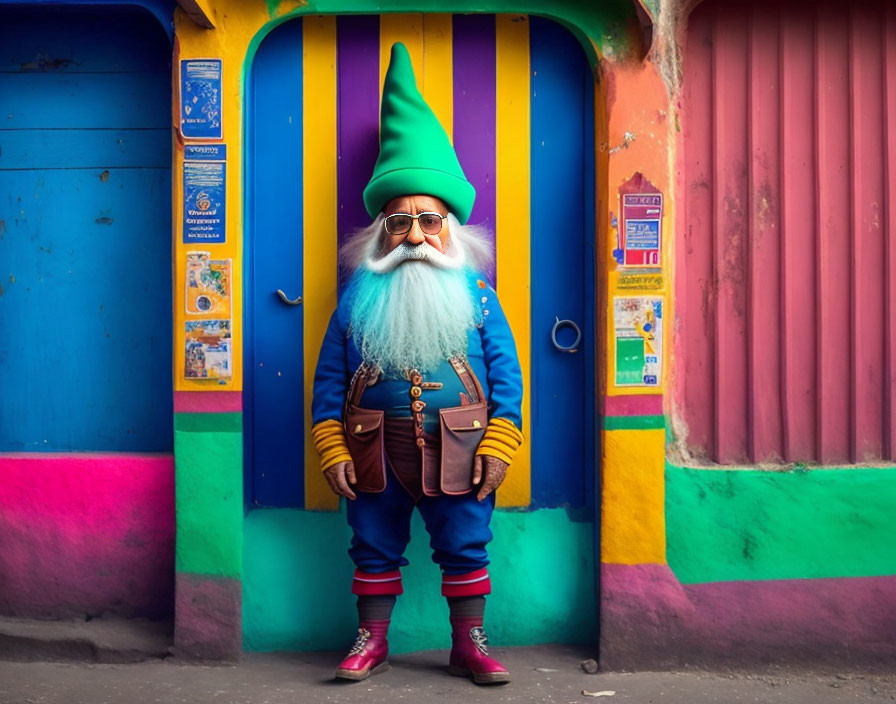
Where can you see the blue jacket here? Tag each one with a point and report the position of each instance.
(491, 353)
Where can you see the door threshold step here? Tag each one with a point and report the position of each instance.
(105, 639)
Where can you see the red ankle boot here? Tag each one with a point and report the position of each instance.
(368, 655)
(469, 653)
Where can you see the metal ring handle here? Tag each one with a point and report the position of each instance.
(286, 299)
(574, 347)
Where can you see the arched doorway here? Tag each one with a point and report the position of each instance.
(516, 93)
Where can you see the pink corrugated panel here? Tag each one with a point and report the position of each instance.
(786, 343)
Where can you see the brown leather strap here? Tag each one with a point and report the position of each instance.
(468, 379)
(362, 377)
(365, 374)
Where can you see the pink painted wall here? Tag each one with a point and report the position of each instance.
(85, 534)
(786, 342)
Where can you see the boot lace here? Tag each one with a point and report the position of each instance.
(477, 635)
(360, 642)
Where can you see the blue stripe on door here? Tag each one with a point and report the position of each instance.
(274, 445)
(562, 235)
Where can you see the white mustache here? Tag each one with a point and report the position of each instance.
(452, 259)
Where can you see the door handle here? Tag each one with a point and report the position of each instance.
(574, 347)
(286, 299)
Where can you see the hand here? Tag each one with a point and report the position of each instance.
(494, 469)
(339, 476)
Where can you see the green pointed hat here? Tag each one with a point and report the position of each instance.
(416, 155)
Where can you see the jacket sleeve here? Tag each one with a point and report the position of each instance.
(331, 378)
(505, 379)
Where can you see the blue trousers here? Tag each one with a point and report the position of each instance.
(457, 526)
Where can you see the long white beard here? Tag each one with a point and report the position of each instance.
(412, 308)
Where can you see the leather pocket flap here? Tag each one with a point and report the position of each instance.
(462, 429)
(359, 422)
(364, 430)
(461, 418)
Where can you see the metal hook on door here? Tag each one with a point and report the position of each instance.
(574, 347)
(286, 299)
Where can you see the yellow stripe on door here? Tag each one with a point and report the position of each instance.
(319, 241)
(429, 42)
(513, 222)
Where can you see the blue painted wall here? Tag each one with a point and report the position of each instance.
(85, 230)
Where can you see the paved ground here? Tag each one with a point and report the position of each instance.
(541, 674)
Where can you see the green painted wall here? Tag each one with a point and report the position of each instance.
(747, 524)
(297, 583)
(208, 451)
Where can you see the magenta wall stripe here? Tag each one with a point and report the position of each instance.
(208, 401)
(646, 405)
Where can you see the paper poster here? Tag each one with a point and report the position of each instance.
(641, 229)
(207, 286)
(207, 349)
(638, 324)
(200, 98)
(204, 186)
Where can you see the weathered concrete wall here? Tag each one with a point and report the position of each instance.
(84, 534)
(209, 452)
(763, 567)
(721, 566)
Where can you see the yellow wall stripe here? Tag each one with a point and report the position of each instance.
(512, 222)
(428, 39)
(401, 28)
(633, 514)
(438, 69)
(319, 218)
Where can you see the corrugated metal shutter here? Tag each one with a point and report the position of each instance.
(784, 265)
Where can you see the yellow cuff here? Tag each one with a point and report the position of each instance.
(329, 441)
(502, 439)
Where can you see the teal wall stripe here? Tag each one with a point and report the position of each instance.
(751, 524)
(209, 502)
(208, 422)
(542, 572)
(634, 422)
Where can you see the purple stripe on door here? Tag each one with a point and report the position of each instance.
(474, 112)
(357, 116)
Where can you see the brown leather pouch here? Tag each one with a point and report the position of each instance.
(364, 432)
(462, 429)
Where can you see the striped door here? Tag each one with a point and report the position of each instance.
(516, 95)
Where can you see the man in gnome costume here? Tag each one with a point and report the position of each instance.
(418, 389)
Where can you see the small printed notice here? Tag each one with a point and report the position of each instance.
(641, 229)
(631, 281)
(207, 286)
(208, 350)
(205, 185)
(200, 98)
(638, 324)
